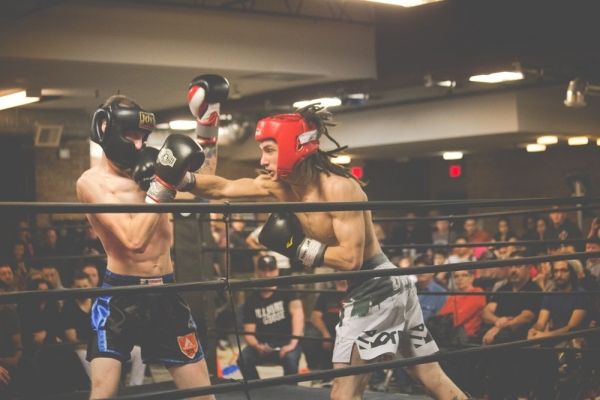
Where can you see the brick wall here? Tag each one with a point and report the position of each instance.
(55, 179)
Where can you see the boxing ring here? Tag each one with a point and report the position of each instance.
(278, 387)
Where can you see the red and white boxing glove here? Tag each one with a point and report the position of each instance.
(205, 96)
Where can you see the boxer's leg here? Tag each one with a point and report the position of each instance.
(106, 374)
(187, 376)
(351, 387)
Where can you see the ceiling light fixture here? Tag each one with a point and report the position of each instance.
(341, 160)
(405, 3)
(182, 125)
(452, 155)
(597, 142)
(578, 141)
(545, 140)
(535, 147)
(17, 99)
(497, 77)
(577, 90)
(325, 102)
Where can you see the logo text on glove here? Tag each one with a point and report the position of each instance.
(166, 157)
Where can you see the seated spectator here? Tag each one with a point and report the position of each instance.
(324, 318)
(504, 232)
(430, 304)
(538, 234)
(23, 235)
(465, 309)
(40, 328)
(17, 263)
(473, 234)
(562, 228)
(440, 257)
(7, 276)
(52, 276)
(22, 370)
(78, 329)
(411, 232)
(487, 276)
(544, 276)
(504, 252)
(459, 255)
(443, 235)
(53, 247)
(91, 270)
(509, 319)
(271, 312)
(593, 264)
(558, 314)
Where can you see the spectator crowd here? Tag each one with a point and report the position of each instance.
(35, 360)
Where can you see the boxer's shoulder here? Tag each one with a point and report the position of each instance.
(339, 188)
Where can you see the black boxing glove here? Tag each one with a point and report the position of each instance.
(143, 171)
(205, 94)
(178, 155)
(283, 233)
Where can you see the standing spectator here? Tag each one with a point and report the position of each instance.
(78, 329)
(23, 370)
(271, 312)
(561, 228)
(558, 314)
(240, 261)
(509, 319)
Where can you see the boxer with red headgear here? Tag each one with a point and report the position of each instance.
(297, 170)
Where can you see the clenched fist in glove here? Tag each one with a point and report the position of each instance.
(204, 97)
(179, 155)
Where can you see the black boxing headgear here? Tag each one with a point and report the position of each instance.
(120, 120)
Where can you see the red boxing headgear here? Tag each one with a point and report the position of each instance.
(296, 139)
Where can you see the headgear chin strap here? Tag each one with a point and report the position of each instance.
(120, 120)
(296, 139)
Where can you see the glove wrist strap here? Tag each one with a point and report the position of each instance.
(311, 252)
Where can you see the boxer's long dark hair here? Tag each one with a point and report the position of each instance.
(309, 170)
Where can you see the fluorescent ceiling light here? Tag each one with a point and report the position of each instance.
(597, 142)
(578, 141)
(405, 3)
(164, 125)
(497, 77)
(341, 160)
(16, 99)
(547, 140)
(533, 148)
(325, 102)
(182, 125)
(453, 155)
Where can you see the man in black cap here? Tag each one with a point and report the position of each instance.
(269, 311)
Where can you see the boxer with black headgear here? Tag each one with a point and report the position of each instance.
(138, 249)
(380, 315)
(111, 124)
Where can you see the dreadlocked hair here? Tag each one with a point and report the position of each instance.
(309, 169)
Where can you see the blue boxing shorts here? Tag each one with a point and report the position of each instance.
(160, 323)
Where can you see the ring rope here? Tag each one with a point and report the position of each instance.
(270, 207)
(355, 370)
(240, 284)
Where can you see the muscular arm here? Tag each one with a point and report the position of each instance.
(210, 161)
(542, 321)
(215, 187)
(349, 228)
(525, 317)
(134, 231)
